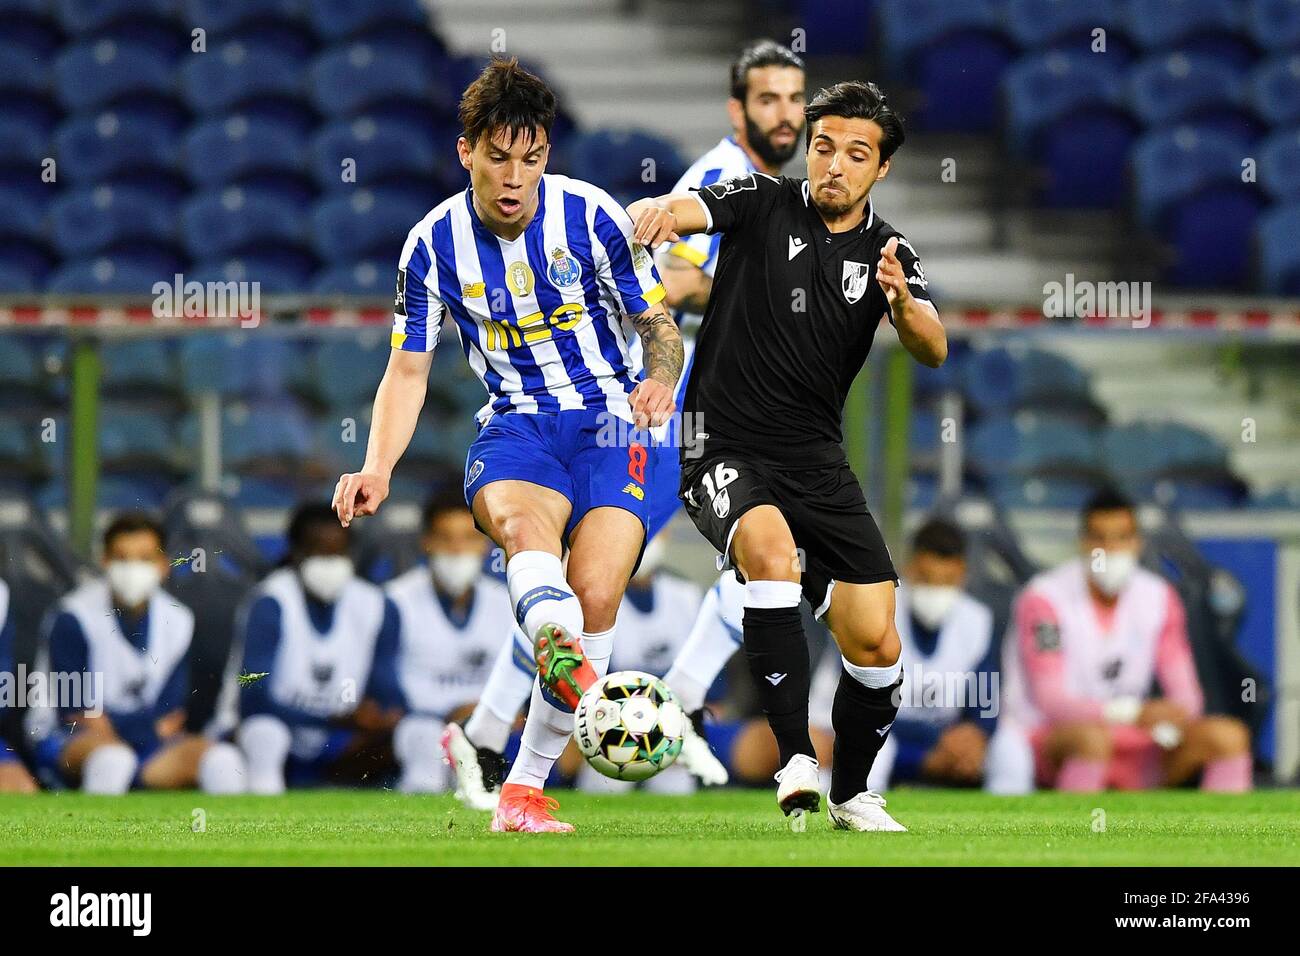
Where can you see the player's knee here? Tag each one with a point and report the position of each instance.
(869, 642)
(771, 561)
(1224, 736)
(522, 531)
(600, 598)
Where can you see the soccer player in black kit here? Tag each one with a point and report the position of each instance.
(806, 271)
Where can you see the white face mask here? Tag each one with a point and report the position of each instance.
(931, 603)
(1111, 570)
(455, 573)
(133, 582)
(325, 576)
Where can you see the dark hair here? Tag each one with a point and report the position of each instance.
(940, 536)
(857, 100)
(1106, 499)
(445, 499)
(308, 517)
(757, 54)
(129, 522)
(506, 96)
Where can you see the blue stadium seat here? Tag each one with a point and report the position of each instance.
(138, 364)
(97, 73)
(337, 19)
(347, 79)
(1279, 165)
(86, 221)
(1055, 101)
(366, 224)
(94, 148)
(132, 273)
(21, 376)
(1275, 24)
(92, 16)
(225, 222)
(222, 17)
(346, 370)
(1148, 451)
(1185, 88)
(369, 278)
(24, 135)
(23, 265)
(16, 451)
(274, 271)
(1029, 443)
(113, 493)
(1187, 495)
(1049, 491)
(382, 150)
(1216, 27)
(226, 150)
(616, 159)
(23, 70)
(127, 436)
(1275, 89)
(1044, 24)
(1285, 498)
(955, 52)
(235, 73)
(277, 433)
(1003, 379)
(1189, 190)
(1279, 253)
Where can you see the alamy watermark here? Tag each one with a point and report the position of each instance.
(64, 690)
(1079, 299)
(945, 690)
(231, 299)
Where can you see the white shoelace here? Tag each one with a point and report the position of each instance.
(794, 761)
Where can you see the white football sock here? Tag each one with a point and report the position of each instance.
(546, 732)
(418, 749)
(540, 593)
(222, 770)
(599, 648)
(265, 742)
(711, 643)
(507, 687)
(875, 677)
(108, 770)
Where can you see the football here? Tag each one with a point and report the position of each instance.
(629, 725)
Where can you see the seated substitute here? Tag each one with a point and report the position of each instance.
(319, 696)
(1088, 640)
(14, 777)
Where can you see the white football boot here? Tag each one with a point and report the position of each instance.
(472, 789)
(800, 791)
(864, 813)
(699, 760)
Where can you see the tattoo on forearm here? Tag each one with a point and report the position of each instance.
(662, 344)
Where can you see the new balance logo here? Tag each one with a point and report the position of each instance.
(774, 679)
(885, 729)
(796, 247)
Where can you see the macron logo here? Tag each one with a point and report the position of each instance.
(796, 247)
(885, 729)
(774, 679)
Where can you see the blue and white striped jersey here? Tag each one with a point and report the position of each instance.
(724, 161)
(543, 318)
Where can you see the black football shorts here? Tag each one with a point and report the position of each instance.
(827, 513)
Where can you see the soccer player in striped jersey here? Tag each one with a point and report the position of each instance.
(545, 287)
(766, 112)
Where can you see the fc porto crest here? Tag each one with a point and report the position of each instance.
(520, 279)
(564, 270)
(856, 277)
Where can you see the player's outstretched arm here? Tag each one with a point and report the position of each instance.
(661, 343)
(916, 320)
(686, 286)
(666, 218)
(392, 423)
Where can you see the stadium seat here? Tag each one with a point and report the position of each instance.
(94, 148)
(93, 16)
(236, 363)
(616, 158)
(97, 73)
(1275, 89)
(1029, 443)
(1195, 495)
(955, 52)
(1279, 252)
(1191, 88)
(1071, 494)
(87, 221)
(369, 278)
(1275, 24)
(137, 440)
(1169, 165)
(345, 371)
(235, 73)
(274, 271)
(221, 151)
(1279, 165)
(338, 19)
(132, 273)
(369, 223)
(138, 366)
(1055, 101)
(25, 210)
(274, 435)
(23, 70)
(1149, 451)
(1003, 379)
(24, 136)
(225, 222)
(20, 369)
(1049, 24)
(1216, 27)
(347, 79)
(23, 265)
(222, 17)
(380, 150)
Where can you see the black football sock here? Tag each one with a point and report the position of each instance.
(777, 652)
(861, 717)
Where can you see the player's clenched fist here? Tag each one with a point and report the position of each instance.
(652, 403)
(652, 223)
(889, 273)
(357, 494)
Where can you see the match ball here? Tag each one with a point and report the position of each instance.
(629, 725)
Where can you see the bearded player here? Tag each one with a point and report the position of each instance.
(544, 283)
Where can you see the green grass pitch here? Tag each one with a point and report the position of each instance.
(728, 827)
